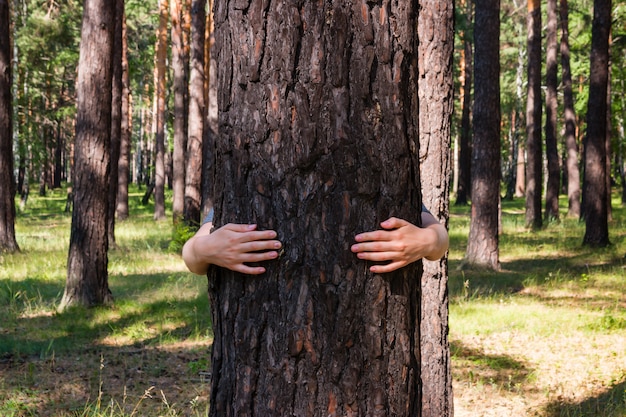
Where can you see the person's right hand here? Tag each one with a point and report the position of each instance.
(232, 246)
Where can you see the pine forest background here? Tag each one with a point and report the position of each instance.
(501, 319)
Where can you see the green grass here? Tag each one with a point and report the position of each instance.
(517, 333)
(158, 307)
(545, 336)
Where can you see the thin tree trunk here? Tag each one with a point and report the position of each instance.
(87, 274)
(436, 87)
(8, 242)
(609, 133)
(534, 166)
(126, 129)
(482, 247)
(197, 112)
(573, 172)
(116, 117)
(211, 125)
(594, 186)
(520, 166)
(180, 113)
(159, 114)
(465, 149)
(552, 154)
(318, 334)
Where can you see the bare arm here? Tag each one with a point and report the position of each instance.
(231, 246)
(400, 243)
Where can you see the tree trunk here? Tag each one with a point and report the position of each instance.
(159, 116)
(534, 158)
(520, 159)
(116, 117)
(482, 247)
(8, 243)
(436, 87)
(318, 140)
(123, 167)
(594, 186)
(211, 125)
(465, 149)
(180, 113)
(552, 154)
(573, 172)
(609, 128)
(197, 112)
(87, 275)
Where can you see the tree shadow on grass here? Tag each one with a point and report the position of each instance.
(610, 403)
(39, 330)
(477, 367)
(519, 274)
(55, 363)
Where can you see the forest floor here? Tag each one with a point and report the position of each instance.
(545, 336)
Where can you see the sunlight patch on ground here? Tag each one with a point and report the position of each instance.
(565, 368)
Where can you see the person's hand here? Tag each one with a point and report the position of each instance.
(232, 246)
(400, 243)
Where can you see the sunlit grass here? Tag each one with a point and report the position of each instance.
(549, 329)
(545, 336)
(158, 307)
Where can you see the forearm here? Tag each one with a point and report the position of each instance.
(195, 264)
(440, 241)
(193, 256)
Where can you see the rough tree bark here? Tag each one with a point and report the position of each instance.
(8, 243)
(87, 274)
(436, 86)
(594, 185)
(197, 115)
(482, 246)
(318, 141)
(534, 159)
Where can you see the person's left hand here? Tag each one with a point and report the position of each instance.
(398, 244)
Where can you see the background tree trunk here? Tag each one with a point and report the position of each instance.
(534, 158)
(436, 87)
(116, 117)
(197, 113)
(569, 116)
(87, 275)
(159, 116)
(552, 154)
(465, 149)
(482, 247)
(126, 130)
(211, 125)
(318, 140)
(8, 242)
(180, 113)
(594, 185)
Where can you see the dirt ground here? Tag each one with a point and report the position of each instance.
(174, 380)
(146, 381)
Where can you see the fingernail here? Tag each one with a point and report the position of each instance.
(251, 226)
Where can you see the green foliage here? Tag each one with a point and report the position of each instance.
(181, 233)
